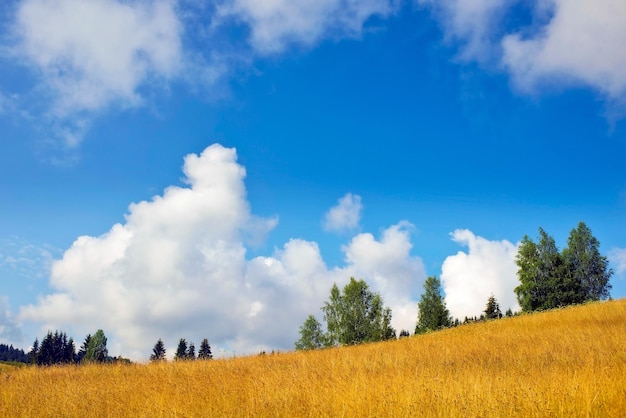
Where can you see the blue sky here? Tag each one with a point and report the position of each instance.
(208, 169)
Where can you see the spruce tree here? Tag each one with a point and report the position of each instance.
(191, 352)
(158, 352)
(205, 350)
(492, 310)
(181, 351)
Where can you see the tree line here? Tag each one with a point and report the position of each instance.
(9, 353)
(184, 351)
(549, 278)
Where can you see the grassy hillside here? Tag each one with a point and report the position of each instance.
(569, 362)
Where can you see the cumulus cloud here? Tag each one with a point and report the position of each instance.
(346, 215)
(177, 268)
(566, 42)
(390, 269)
(469, 278)
(275, 24)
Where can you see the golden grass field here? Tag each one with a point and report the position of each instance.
(564, 363)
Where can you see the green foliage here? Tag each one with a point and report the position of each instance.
(205, 350)
(54, 349)
(353, 316)
(10, 354)
(158, 352)
(587, 266)
(356, 315)
(433, 314)
(191, 352)
(97, 351)
(311, 335)
(492, 310)
(550, 279)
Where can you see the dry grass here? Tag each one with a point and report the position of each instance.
(570, 362)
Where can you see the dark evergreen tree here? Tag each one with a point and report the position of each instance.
(158, 352)
(492, 310)
(10, 353)
(205, 350)
(34, 352)
(83, 349)
(54, 349)
(587, 267)
(181, 351)
(433, 314)
(191, 352)
(404, 333)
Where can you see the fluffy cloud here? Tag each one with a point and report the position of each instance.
(275, 24)
(177, 268)
(346, 215)
(567, 42)
(468, 279)
(582, 43)
(92, 54)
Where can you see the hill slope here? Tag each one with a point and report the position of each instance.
(568, 362)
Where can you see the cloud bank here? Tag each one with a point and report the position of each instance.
(469, 278)
(177, 268)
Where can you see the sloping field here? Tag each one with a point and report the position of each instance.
(569, 362)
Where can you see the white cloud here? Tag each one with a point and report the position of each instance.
(565, 43)
(275, 24)
(581, 44)
(468, 279)
(346, 215)
(617, 256)
(389, 268)
(92, 54)
(177, 268)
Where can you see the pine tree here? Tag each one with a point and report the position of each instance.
(34, 352)
(492, 310)
(181, 351)
(433, 314)
(191, 352)
(205, 350)
(158, 352)
(83, 349)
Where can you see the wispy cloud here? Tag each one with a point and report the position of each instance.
(276, 24)
(617, 256)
